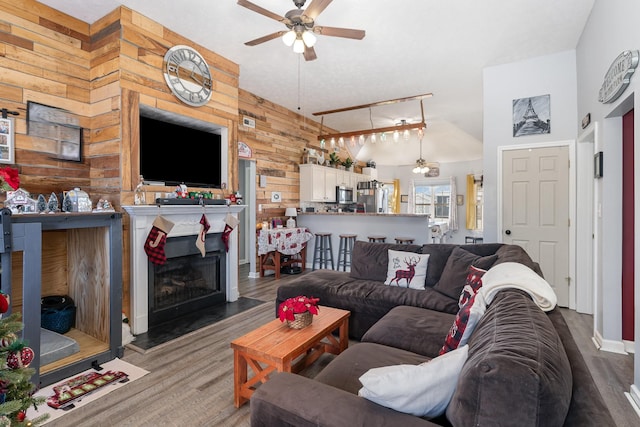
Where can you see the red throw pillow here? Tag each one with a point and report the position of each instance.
(472, 284)
(457, 329)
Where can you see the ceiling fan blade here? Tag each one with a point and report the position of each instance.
(316, 7)
(265, 38)
(309, 54)
(262, 11)
(340, 32)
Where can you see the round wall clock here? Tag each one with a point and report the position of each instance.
(187, 75)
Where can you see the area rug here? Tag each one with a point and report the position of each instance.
(114, 374)
(177, 328)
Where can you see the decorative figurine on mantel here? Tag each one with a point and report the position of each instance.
(67, 205)
(140, 197)
(53, 206)
(41, 204)
(104, 205)
(20, 201)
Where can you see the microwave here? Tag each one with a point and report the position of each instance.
(344, 194)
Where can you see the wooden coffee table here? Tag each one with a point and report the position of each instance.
(275, 346)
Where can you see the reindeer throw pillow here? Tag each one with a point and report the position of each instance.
(407, 269)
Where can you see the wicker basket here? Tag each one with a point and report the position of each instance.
(302, 320)
(58, 313)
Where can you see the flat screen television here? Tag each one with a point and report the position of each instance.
(172, 154)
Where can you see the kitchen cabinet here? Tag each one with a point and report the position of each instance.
(318, 183)
(74, 254)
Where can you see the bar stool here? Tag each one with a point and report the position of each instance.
(344, 250)
(377, 238)
(322, 251)
(404, 240)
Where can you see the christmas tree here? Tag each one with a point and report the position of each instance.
(16, 389)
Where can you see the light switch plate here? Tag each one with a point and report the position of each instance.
(275, 196)
(263, 180)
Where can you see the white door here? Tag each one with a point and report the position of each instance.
(535, 210)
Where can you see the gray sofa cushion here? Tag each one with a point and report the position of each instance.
(516, 356)
(344, 372)
(439, 254)
(414, 329)
(368, 300)
(455, 272)
(369, 261)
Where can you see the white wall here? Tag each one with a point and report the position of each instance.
(554, 75)
(458, 169)
(611, 29)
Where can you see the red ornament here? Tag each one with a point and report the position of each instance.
(20, 359)
(21, 416)
(4, 303)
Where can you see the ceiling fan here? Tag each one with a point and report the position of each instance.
(301, 26)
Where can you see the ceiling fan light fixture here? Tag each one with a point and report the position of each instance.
(298, 46)
(421, 166)
(309, 38)
(396, 136)
(289, 37)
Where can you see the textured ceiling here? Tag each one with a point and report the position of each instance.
(410, 48)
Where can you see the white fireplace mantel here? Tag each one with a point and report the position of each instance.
(186, 221)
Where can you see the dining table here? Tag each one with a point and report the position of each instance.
(282, 247)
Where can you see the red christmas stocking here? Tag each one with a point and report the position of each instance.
(204, 227)
(230, 223)
(157, 238)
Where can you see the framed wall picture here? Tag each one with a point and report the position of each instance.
(7, 140)
(59, 131)
(532, 116)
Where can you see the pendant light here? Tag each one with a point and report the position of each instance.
(421, 164)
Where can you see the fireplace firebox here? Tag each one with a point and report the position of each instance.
(187, 282)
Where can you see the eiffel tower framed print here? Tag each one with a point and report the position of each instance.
(532, 116)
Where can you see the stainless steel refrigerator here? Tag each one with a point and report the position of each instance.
(373, 196)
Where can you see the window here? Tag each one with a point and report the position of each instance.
(433, 199)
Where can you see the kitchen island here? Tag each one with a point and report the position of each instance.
(415, 226)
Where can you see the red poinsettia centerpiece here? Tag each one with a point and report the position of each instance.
(300, 304)
(9, 178)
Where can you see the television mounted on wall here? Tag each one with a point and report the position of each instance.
(176, 150)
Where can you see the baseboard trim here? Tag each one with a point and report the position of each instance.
(254, 275)
(613, 346)
(629, 346)
(634, 398)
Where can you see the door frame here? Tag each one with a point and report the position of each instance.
(587, 238)
(247, 168)
(572, 203)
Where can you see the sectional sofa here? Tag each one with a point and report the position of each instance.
(519, 367)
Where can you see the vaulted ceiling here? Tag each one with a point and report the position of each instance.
(410, 48)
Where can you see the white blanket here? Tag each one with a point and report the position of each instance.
(518, 276)
(508, 275)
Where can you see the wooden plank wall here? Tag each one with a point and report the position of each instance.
(102, 73)
(277, 145)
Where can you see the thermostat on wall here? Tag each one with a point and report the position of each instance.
(250, 123)
(275, 196)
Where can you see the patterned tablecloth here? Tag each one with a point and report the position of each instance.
(287, 241)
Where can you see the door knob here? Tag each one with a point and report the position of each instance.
(507, 232)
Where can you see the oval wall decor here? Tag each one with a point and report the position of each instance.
(618, 76)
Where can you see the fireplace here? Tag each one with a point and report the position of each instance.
(187, 281)
(186, 221)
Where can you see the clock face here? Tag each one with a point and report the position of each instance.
(187, 75)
